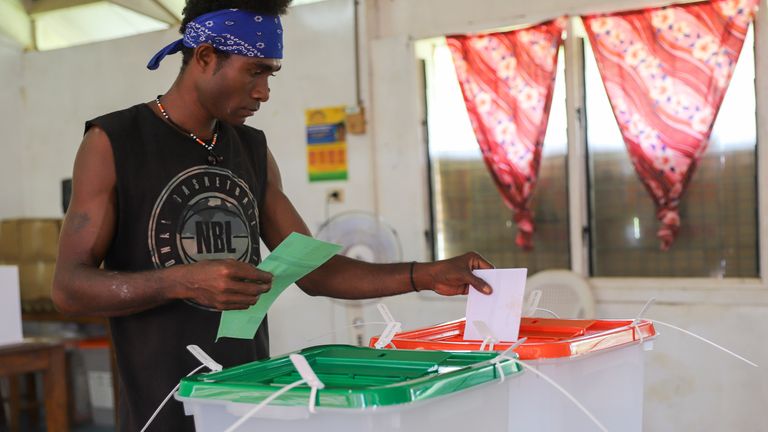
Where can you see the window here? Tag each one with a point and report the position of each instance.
(718, 233)
(469, 213)
(718, 236)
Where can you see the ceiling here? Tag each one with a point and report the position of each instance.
(51, 24)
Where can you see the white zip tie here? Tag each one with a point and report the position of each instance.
(393, 327)
(385, 313)
(262, 404)
(312, 399)
(645, 308)
(506, 355)
(549, 312)
(486, 341)
(204, 358)
(636, 321)
(386, 336)
(491, 343)
(704, 340)
(533, 302)
(206, 361)
(563, 391)
(157, 411)
(308, 377)
(487, 334)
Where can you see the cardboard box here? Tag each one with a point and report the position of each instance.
(10, 306)
(36, 280)
(38, 239)
(9, 240)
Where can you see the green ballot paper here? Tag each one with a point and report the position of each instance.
(293, 259)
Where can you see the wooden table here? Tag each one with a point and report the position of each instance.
(38, 355)
(57, 317)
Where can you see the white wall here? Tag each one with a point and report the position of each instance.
(12, 105)
(689, 385)
(64, 88)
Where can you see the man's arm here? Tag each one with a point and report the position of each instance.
(80, 287)
(343, 277)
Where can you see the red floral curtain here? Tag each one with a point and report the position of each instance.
(666, 72)
(507, 80)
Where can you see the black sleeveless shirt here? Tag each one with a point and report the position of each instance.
(174, 209)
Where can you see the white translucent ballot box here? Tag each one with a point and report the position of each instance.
(599, 362)
(365, 390)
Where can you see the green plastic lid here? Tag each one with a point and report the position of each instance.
(354, 377)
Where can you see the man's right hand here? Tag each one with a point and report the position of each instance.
(222, 284)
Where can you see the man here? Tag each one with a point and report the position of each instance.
(173, 196)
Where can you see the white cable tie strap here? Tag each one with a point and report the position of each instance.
(704, 340)
(500, 371)
(393, 327)
(563, 391)
(385, 313)
(312, 399)
(309, 376)
(206, 361)
(551, 312)
(486, 333)
(636, 322)
(506, 354)
(305, 370)
(204, 358)
(162, 404)
(532, 305)
(485, 343)
(387, 335)
(262, 404)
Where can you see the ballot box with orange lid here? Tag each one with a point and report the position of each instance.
(599, 362)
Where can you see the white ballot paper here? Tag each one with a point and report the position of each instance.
(500, 311)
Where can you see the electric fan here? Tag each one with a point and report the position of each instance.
(363, 236)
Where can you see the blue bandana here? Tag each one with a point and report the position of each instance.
(232, 31)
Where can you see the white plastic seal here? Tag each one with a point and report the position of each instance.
(206, 361)
(392, 328)
(489, 339)
(508, 354)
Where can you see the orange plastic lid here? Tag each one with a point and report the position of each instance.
(547, 337)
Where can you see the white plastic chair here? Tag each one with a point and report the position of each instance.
(564, 292)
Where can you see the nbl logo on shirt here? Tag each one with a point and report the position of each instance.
(204, 213)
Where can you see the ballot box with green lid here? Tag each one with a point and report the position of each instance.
(599, 362)
(364, 390)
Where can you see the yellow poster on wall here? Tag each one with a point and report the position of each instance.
(326, 144)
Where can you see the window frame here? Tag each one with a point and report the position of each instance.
(741, 291)
(638, 289)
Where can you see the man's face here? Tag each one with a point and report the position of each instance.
(235, 88)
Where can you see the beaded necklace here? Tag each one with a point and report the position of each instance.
(213, 158)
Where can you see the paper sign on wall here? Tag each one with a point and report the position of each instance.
(501, 311)
(326, 143)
